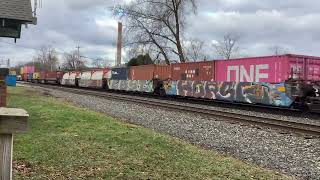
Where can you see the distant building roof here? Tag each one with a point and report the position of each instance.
(17, 10)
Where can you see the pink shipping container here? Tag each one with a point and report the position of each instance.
(31, 69)
(194, 71)
(25, 69)
(149, 72)
(271, 69)
(28, 69)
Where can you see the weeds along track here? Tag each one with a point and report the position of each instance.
(283, 126)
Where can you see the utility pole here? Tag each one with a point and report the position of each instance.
(78, 60)
(119, 44)
(50, 59)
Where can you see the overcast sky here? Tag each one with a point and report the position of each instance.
(261, 24)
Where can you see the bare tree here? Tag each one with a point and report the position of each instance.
(195, 50)
(228, 46)
(135, 50)
(99, 62)
(157, 24)
(46, 58)
(72, 61)
(278, 50)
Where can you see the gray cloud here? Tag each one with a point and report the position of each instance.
(260, 24)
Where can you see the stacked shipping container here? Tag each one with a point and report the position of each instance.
(270, 69)
(149, 72)
(120, 73)
(194, 71)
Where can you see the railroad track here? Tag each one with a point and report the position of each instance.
(282, 125)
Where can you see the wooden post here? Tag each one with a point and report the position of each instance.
(12, 121)
(3, 87)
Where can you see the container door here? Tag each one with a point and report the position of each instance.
(313, 69)
(305, 68)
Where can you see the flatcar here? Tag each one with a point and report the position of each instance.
(281, 81)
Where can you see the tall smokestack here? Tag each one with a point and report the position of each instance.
(119, 44)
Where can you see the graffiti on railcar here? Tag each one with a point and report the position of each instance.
(68, 82)
(256, 93)
(90, 83)
(131, 85)
(140, 85)
(170, 87)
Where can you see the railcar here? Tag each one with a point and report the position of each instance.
(281, 81)
(36, 77)
(29, 77)
(51, 77)
(95, 79)
(24, 77)
(70, 79)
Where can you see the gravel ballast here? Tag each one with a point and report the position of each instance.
(290, 154)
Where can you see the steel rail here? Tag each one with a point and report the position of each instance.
(288, 126)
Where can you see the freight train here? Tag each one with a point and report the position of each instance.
(291, 81)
